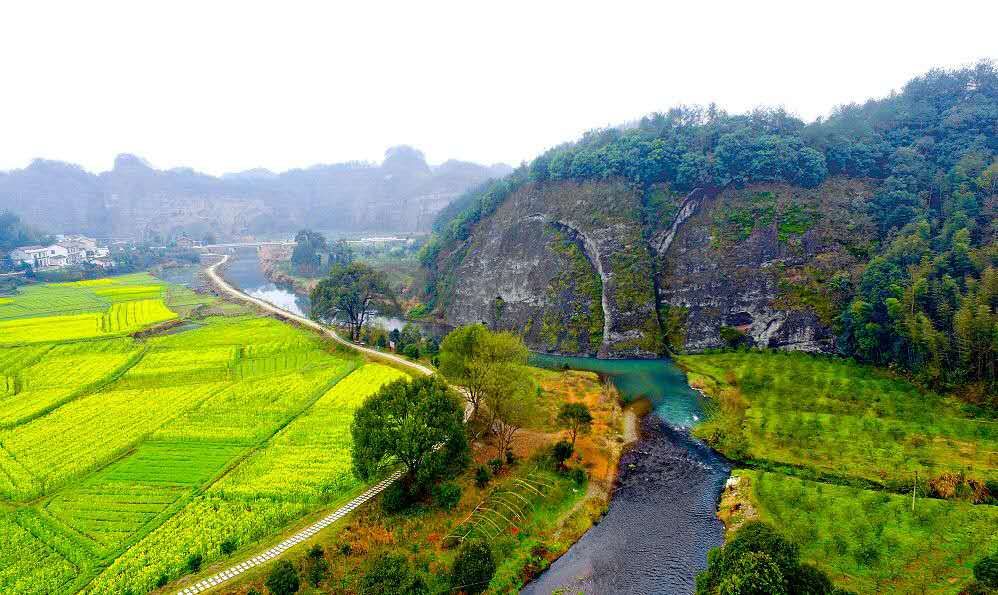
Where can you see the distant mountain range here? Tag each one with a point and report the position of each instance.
(134, 200)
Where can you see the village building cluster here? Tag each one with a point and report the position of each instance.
(68, 250)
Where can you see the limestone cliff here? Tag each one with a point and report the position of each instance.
(563, 263)
(763, 262)
(598, 268)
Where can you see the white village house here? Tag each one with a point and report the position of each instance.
(68, 250)
(41, 257)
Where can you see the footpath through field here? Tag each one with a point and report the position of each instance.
(306, 533)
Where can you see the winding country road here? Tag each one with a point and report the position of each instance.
(224, 286)
(264, 557)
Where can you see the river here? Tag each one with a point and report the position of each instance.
(661, 521)
(244, 271)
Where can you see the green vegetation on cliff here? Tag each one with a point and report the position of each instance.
(583, 329)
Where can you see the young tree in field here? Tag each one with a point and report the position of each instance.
(510, 394)
(470, 355)
(355, 290)
(986, 571)
(576, 418)
(307, 255)
(317, 565)
(404, 423)
(562, 451)
(474, 567)
(283, 579)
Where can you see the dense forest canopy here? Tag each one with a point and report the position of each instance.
(928, 297)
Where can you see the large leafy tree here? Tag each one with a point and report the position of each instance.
(759, 560)
(392, 574)
(474, 567)
(512, 399)
(283, 579)
(354, 292)
(472, 356)
(418, 424)
(307, 255)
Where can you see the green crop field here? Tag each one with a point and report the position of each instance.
(872, 541)
(123, 454)
(832, 451)
(87, 309)
(840, 418)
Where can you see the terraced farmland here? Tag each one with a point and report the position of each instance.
(123, 455)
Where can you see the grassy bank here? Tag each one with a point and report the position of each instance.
(872, 541)
(830, 452)
(552, 523)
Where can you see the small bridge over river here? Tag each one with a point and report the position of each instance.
(250, 244)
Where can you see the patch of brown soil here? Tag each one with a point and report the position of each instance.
(736, 507)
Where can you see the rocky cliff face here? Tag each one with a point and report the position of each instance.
(565, 264)
(755, 264)
(598, 269)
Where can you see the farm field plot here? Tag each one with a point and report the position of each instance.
(120, 318)
(112, 444)
(841, 418)
(884, 486)
(250, 411)
(51, 299)
(29, 564)
(120, 501)
(310, 458)
(306, 465)
(84, 309)
(873, 540)
(45, 384)
(12, 360)
(85, 434)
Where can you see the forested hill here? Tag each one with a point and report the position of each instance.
(870, 233)
(14, 233)
(133, 199)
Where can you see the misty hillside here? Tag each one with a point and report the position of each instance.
(133, 199)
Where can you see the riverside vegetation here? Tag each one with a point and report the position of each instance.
(489, 525)
(881, 485)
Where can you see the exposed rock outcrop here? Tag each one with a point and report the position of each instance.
(754, 260)
(570, 267)
(598, 269)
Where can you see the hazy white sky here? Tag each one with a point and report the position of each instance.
(226, 86)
